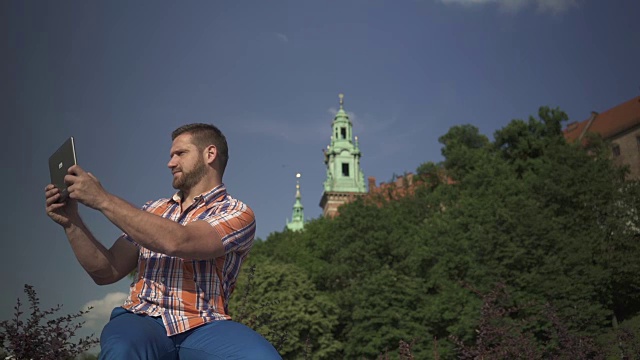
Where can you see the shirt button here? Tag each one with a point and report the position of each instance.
(163, 280)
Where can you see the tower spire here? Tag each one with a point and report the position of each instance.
(297, 217)
(345, 179)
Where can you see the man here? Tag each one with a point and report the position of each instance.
(188, 251)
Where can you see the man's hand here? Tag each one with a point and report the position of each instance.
(85, 188)
(63, 213)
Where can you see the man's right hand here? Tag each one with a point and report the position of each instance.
(64, 213)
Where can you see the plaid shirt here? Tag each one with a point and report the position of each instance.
(190, 293)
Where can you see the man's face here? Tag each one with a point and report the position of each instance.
(187, 163)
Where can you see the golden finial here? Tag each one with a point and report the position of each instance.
(341, 96)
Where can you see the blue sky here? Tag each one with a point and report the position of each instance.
(120, 76)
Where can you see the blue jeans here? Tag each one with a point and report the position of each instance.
(132, 336)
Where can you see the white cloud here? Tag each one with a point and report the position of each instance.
(282, 37)
(297, 132)
(556, 6)
(366, 124)
(551, 6)
(98, 317)
(468, 2)
(303, 132)
(332, 111)
(390, 133)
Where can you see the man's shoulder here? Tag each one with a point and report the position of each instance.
(154, 204)
(234, 203)
(230, 198)
(228, 204)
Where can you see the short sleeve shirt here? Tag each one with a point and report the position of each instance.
(189, 293)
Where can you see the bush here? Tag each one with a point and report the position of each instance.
(39, 338)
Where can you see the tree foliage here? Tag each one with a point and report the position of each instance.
(556, 223)
(285, 307)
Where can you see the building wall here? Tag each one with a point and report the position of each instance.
(331, 201)
(402, 186)
(629, 145)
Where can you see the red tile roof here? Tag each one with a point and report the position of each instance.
(608, 123)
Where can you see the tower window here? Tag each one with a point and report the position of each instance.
(616, 150)
(345, 169)
(343, 133)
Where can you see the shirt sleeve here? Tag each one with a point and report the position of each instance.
(236, 226)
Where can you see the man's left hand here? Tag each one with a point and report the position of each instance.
(85, 187)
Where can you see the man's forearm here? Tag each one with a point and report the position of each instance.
(94, 257)
(149, 230)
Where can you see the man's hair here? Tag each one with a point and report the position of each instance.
(204, 135)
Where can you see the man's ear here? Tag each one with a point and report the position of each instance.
(210, 154)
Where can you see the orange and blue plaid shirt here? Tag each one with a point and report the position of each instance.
(190, 293)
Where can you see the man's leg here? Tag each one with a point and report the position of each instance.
(131, 336)
(226, 339)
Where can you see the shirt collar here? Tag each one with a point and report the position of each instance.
(215, 194)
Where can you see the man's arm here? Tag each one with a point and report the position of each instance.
(197, 240)
(105, 266)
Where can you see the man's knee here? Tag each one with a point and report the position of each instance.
(116, 347)
(262, 351)
(130, 336)
(229, 339)
(116, 344)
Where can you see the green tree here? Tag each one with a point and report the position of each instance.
(284, 306)
(462, 144)
(554, 222)
(546, 218)
(387, 310)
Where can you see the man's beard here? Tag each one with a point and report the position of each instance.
(189, 179)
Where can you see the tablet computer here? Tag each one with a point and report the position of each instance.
(59, 163)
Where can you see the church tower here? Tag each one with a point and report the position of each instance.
(297, 218)
(345, 180)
